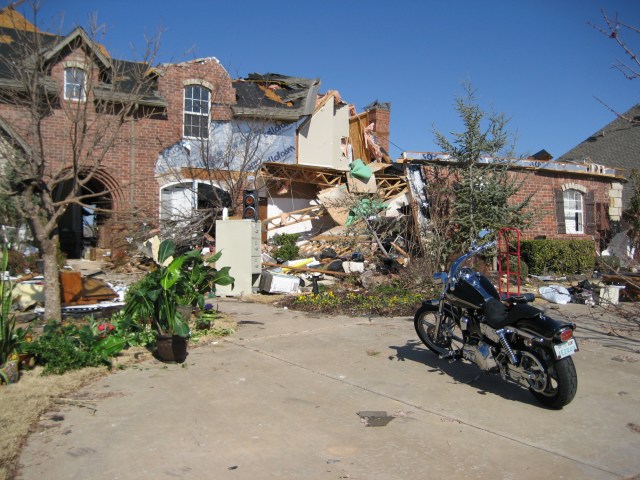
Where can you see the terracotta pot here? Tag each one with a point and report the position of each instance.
(171, 348)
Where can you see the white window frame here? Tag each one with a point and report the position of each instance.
(573, 201)
(196, 112)
(75, 90)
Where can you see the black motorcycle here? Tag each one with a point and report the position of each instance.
(508, 336)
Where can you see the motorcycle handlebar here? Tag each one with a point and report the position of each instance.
(455, 266)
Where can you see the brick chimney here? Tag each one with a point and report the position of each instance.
(379, 113)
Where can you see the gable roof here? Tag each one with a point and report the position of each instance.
(80, 36)
(120, 78)
(615, 145)
(275, 96)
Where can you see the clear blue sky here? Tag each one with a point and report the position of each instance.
(537, 61)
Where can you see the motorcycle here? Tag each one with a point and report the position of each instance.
(510, 337)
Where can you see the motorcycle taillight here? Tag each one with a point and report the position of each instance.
(566, 334)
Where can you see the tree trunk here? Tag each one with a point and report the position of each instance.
(52, 304)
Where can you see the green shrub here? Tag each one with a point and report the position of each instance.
(287, 248)
(513, 268)
(64, 347)
(558, 256)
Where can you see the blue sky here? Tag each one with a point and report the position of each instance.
(537, 61)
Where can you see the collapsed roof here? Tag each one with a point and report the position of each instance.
(274, 96)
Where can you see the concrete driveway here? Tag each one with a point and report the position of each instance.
(290, 394)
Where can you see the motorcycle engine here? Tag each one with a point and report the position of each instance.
(480, 354)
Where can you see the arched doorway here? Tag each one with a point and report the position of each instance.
(79, 227)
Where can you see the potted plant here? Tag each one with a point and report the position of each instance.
(156, 296)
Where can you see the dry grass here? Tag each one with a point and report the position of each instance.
(22, 404)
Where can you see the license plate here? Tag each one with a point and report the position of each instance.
(565, 349)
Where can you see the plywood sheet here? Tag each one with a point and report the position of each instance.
(337, 202)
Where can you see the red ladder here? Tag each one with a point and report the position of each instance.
(507, 236)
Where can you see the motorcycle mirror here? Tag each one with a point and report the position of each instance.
(483, 233)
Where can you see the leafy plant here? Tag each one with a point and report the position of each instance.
(10, 336)
(156, 296)
(64, 347)
(287, 248)
(135, 334)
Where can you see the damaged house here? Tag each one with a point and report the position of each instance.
(571, 200)
(194, 142)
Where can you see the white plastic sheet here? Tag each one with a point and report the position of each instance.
(555, 294)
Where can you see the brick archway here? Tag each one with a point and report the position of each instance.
(81, 226)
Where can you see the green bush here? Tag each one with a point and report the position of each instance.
(64, 347)
(513, 268)
(558, 256)
(287, 248)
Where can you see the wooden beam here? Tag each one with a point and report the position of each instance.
(309, 213)
(305, 269)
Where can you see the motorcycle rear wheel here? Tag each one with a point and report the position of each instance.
(561, 381)
(424, 322)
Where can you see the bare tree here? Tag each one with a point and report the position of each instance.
(48, 172)
(624, 35)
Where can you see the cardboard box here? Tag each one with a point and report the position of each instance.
(279, 283)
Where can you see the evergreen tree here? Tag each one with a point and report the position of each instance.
(482, 187)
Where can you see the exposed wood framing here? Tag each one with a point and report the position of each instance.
(389, 186)
(357, 124)
(208, 174)
(296, 216)
(299, 173)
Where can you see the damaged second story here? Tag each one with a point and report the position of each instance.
(195, 139)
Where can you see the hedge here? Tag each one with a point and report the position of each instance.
(558, 256)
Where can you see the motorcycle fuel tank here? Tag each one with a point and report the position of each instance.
(471, 290)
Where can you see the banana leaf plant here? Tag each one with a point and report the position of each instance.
(184, 280)
(10, 336)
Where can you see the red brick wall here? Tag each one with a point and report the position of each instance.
(130, 161)
(542, 184)
(381, 119)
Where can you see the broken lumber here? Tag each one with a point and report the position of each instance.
(305, 269)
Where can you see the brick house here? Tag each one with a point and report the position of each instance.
(181, 115)
(615, 145)
(570, 201)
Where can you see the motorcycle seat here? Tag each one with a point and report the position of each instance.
(495, 313)
(522, 310)
(522, 298)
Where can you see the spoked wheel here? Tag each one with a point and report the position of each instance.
(553, 382)
(442, 341)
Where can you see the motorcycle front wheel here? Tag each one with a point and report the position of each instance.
(553, 382)
(441, 342)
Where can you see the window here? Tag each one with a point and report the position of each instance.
(196, 111)
(573, 211)
(74, 84)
